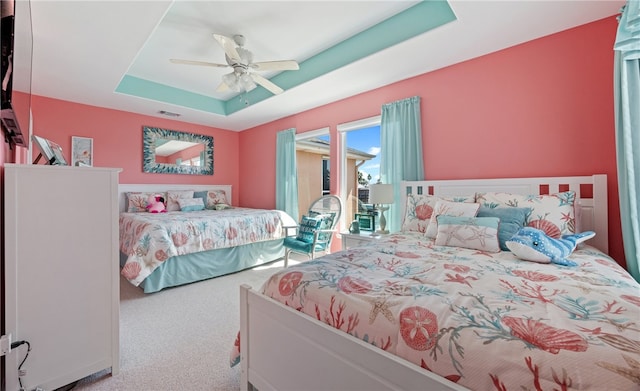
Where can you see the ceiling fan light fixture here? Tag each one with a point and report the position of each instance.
(231, 80)
(247, 82)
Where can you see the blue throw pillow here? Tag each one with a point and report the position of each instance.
(327, 217)
(307, 228)
(326, 223)
(201, 194)
(511, 220)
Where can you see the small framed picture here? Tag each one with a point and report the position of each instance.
(367, 222)
(51, 151)
(81, 151)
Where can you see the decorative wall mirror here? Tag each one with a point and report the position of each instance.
(171, 152)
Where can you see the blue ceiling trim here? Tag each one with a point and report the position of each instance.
(409, 23)
(142, 88)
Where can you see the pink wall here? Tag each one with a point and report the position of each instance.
(543, 108)
(117, 141)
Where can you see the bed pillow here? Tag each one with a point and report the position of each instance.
(201, 194)
(459, 209)
(511, 220)
(553, 213)
(190, 204)
(327, 218)
(215, 197)
(308, 226)
(479, 233)
(577, 210)
(137, 200)
(174, 195)
(327, 223)
(420, 208)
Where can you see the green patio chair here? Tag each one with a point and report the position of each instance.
(316, 228)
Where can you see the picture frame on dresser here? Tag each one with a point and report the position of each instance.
(367, 221)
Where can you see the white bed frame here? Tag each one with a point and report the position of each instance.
(283, 349)
(158, 188)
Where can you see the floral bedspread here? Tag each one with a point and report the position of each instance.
(486, 321)
(151, 238)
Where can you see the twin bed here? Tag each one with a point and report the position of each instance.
(407, 312)
(162, 250)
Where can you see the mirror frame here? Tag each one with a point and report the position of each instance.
(150, 135)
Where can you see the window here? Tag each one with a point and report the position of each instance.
(191, 162)
(360, 164)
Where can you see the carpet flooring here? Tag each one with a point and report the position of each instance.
(179, 338)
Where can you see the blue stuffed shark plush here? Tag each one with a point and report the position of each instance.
(531, 244)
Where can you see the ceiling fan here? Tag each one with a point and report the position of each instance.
(243, 78)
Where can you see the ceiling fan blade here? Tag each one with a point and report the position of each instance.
(266, 84)
(284, 65)
(203, 63)
(229, 46)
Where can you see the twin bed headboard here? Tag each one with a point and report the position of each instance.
(591, 194)
(157, 188)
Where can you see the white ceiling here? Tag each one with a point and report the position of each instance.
(83, 49)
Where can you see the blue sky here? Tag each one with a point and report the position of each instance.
(367, 140)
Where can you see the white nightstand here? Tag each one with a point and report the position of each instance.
(353, 240)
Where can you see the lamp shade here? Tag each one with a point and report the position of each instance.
(381, 193)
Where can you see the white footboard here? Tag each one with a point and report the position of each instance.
(283, 349)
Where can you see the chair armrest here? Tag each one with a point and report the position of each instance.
(289, 228)
(317, 233)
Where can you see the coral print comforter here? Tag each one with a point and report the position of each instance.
(148, 239)
(486, 321)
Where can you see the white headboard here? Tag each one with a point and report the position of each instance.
(593, 208)
(156, 188)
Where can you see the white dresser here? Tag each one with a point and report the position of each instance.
(61, 272)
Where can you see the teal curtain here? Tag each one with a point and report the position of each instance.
(401, 146)
(286, 173)
(627, 121)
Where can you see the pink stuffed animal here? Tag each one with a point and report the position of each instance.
(155, 204)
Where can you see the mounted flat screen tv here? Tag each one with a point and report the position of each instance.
(15, 58)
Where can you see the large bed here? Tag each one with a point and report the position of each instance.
(181, 246)
(406, 312)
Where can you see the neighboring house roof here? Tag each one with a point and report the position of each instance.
(321, 147)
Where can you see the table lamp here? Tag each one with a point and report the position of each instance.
(381, 194)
